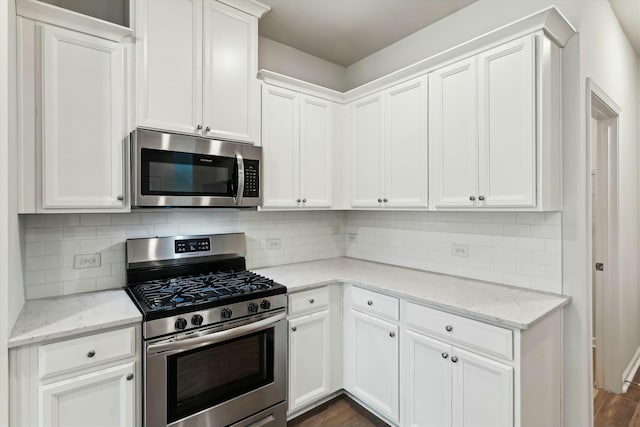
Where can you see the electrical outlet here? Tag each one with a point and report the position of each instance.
(87, 261)
(274, 243)
(460, 250)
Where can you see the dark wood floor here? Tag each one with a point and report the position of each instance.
(618, 410)
(339, 412)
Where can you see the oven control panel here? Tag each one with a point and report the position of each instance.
(193, 245)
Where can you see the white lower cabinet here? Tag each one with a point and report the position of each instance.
(102, 398)
(447, 386)
(309, 354)
(89, 381)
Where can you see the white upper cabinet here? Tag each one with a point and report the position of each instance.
(297, 148)
(199, 77)
(169, 65)
(368, 150)
(230, 67)
(406, 180)
(82, 114)
(390, 154)
(453, 135)
(507, 125)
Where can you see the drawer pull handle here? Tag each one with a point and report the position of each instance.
(91, 354)
(370, 302)
(294, 329)
(129, 377)
(445, 355)
(311, 301)
(449, 328)
(454, 359)
(392, 334)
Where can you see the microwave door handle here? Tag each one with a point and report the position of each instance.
(240, 186)
(215, 337)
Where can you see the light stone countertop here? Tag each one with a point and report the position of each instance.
(499, 304)
(52, 318)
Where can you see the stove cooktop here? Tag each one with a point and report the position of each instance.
(168, 297)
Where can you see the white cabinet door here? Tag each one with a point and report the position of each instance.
(169, 65)
(280, 147)
(309, 359)
(104, 398)
(406, 178)
(368, 147)
(230, 68)
(426, 381)
(372, 362)
(482, 391)
(507, 125)
(315, 152)
(453, 135)
(83, 142)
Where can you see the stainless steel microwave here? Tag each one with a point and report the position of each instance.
(172, 170)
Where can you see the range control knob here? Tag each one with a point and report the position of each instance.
(265, 304)
(197, 320)
(181, 323)
(253, 307)
(226, 313)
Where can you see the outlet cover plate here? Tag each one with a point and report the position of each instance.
(87, 261)
(460, 250)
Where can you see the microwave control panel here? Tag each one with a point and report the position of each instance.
(193, 245)
(251, 178)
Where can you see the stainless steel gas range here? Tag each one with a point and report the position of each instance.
(214, 333)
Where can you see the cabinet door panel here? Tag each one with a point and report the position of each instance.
(367, 139)
(83, 140)
(507, 125)
(482, 392)
(406, 145)
(230, 67)
(315, 152)
(309, 354)
(101, 399)
(170, 65)
(453, 143)
(427, 382)
(280, 147)
(375, 363)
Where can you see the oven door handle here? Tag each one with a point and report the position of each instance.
(240, 183)
(215, 337)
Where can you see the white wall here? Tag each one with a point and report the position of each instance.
(283, 59)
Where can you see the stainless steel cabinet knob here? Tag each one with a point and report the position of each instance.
(129, 377)
(472, 198)
(379, 200)
(199, 127)
(120, 197)
(294, 329)
(304, 200)
(298, 200)
(454, 359)
(370, 302)
(311, 301)
(91, 353)
(445, 355)
(449, 328)
(392, 334)
(385, 200)
(481, 198)
(207, 129)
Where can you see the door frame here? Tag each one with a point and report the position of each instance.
(606, 111)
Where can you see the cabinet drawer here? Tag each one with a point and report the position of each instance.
(492, 339)
(374, 303)
(308, 301)
(84, 352)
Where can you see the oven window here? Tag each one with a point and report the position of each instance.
(207, 376)
(172, 173)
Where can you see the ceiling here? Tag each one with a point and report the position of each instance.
(628, 13)
(345, 31)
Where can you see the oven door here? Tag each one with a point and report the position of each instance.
(180, 170)
(217, 376)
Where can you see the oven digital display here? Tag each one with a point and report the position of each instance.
(193, 245)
